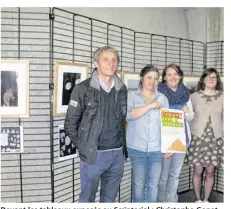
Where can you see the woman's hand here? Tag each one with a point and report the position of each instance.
(156, 105)
(167, 155)
(185, 109)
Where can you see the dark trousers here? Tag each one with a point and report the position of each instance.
(108, 167)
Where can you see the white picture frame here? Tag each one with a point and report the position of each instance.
(12, 140)
(67, 150)
(131, 80)
(66, 76)
(191, 82)
(14, 88)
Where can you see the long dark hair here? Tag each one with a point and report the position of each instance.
(176, 68)
(205, 73)
(148, 68)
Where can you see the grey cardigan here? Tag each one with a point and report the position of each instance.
(203, 109)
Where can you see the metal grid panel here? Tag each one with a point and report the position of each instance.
(26, 34)
(215, 55)
(26, 177)
(142, 50)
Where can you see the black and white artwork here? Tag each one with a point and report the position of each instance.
(67, 150)
(191, 82)
(69, 82)
(67, 76)
(14, 88)
(12, 139)
(131, 80)
(9, 88)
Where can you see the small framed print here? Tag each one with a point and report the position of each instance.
(14, 88)
(12, 139)
(67, 149)
(191, 82)
(66, 76)
(131, 80)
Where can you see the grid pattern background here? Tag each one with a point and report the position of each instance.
(44, 36)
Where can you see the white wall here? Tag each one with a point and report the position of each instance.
(196, 19)
(163, 21)
(205, 24)
(215, 24)
(199, 24)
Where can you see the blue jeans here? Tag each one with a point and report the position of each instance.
(146, 169)
(108, 167)
(169, 179)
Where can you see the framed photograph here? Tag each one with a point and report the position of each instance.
(67, 150)
(66, 76)
(131, 80)
(12, 139)
(191, 82)
(14, 88)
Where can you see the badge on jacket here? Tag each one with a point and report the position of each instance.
(73, 103)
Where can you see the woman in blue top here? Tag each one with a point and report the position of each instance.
(178, 97)
(143, 135)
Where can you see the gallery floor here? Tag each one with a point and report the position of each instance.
(189, 196)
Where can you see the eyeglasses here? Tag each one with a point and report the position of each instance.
(211, 78)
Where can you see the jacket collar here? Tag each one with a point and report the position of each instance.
(95, 81)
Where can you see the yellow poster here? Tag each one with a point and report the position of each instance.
(173, 139)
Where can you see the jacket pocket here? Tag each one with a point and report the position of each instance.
(86, 123)
(91, 110)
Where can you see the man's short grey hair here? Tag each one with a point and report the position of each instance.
(103, 49)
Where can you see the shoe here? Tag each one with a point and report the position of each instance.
(198, 201)
(205, 201)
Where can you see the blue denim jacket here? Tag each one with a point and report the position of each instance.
(144, 133)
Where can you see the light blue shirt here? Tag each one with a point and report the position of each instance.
(144, 133)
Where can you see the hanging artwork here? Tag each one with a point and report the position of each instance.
(66, 76)
(191, 82)
(67, 150)
(131, 80)
(14, 88)
(12, 139)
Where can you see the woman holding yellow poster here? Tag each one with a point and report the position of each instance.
(180, 103)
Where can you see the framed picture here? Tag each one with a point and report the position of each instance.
(191, 82)
(66, 76)
(67, 150)
(12, 139)
(131, 80)
(14, 88)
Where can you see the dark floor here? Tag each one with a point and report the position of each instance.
(190, 197)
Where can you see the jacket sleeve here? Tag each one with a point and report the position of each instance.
(190, 114)
(74, 114)
(130, 104)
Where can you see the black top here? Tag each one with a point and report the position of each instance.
(109, 137)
